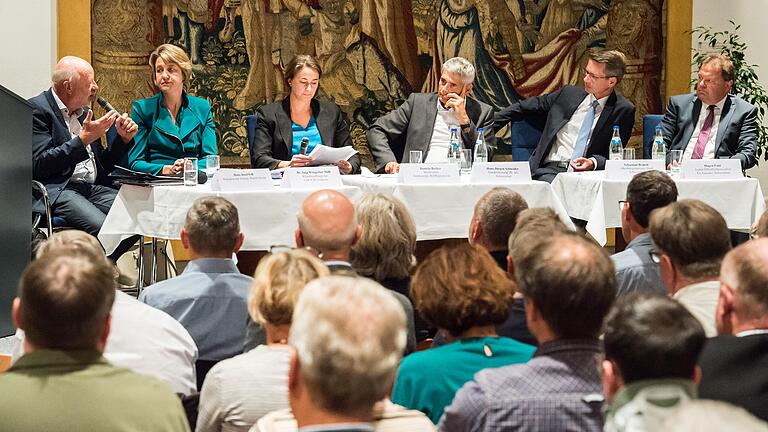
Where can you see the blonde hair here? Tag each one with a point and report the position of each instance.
(277, 283)
(172, 54)
(71, 240)
(385, 249)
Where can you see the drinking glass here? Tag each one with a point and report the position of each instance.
(212, 163)
(629, 154)
(675, 159)
(415, 157)
(465, 162)
(190, 171)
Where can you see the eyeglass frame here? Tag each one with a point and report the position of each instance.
(596, 77)
(655, 255)
(278, 248)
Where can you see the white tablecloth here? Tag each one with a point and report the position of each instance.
(269, 217)
(589, 196)
(444, 211)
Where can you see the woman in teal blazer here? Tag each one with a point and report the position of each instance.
(172, 124)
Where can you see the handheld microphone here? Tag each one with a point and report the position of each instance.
(202, 177)
(106, 105)
(303, 146)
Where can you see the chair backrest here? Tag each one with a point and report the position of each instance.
(525, 137)
(649, 127)
(250, 133)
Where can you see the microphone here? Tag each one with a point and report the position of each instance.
(202, 177)
(106, 105)
(303, 146)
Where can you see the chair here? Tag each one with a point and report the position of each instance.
(45, 221)
(250, 133)
(650, 121)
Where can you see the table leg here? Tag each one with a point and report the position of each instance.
(153, 269)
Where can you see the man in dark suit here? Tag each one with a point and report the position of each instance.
(579, 121)
(734, 364)
(711, 123)
(424, 121)
(67, 154)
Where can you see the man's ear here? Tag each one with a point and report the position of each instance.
(475, 231)
(293, 371)
(104, 333)
(239, 242)
(184, 238)
(298, 238)
(358, 234)
(697, 375)
(611, 378)
(724, 310)
(15, 313)
(467, 89)
(668, 273)
(510, 268)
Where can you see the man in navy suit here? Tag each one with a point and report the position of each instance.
(711, 123)
(578, 122)
(67, 155)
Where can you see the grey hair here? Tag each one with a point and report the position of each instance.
(349, 335)
(497, 212)
(324, 240)
(461, 67)
(68, 68)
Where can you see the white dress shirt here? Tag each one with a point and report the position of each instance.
(565, 140)
(441, 135)
(709, 149)
(701, 301)
(85, 171)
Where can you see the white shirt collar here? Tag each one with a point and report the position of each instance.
(751, 332)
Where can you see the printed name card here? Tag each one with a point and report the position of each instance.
(626, 169)
(500, 172)
(320, 177)
(714, 169)
(242, 180)
(445, 173)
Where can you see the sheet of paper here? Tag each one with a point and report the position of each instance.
(324, 155)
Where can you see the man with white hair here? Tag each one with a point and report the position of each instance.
(67, 155)
(424, 121)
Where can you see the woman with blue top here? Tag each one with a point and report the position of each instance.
(281, 126)
(172, 124)
(463, 292)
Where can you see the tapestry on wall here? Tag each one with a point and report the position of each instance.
(373, 52)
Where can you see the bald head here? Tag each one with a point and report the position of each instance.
(327, 223)
(745, 272)
(73, 82)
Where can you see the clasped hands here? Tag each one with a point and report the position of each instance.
(93, 129)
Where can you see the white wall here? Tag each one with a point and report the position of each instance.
(750, 14)
(27, 45)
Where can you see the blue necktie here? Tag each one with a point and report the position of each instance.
(583, 139)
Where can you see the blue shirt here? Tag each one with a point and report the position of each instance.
(310, 132)
(210, 300)
(635, 270)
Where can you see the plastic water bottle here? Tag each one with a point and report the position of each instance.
(617, 149)
(481, 148)
(657, 150)
(454, 155)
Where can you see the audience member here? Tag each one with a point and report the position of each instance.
(328, 225)
(651, 347)
(569, 285)
(210, 297)
(635, 270)
(63, 383)
(141, 338)
(348, 335)
(691, 239)
(579, 121)
(734, 364)
(239, 391)
(461, 291)
(493, 220)
(761, 228)
(712, 416)
(424, 121)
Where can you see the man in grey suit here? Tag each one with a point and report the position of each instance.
(711, 123)
(424, 121)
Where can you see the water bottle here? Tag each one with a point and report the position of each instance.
(481, 148)
(657, 150)
(616, 150)
(454, 155)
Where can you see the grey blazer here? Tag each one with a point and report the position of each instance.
(736, 132)
(413, 122)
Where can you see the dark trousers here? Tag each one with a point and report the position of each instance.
(548, 171)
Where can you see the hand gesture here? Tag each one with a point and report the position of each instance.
(582, 164)
(344, 166)
(458, 105)
(126, 127)
(392, 168)
(174, 170)
(93, 129)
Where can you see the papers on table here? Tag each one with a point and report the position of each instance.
(324, 155)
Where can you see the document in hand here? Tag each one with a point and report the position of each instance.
(324, 155)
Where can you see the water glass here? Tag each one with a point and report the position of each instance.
(190, 171)
(675, 159)
(212, 164)
(465, 161)
(415, 157)
(629, 154)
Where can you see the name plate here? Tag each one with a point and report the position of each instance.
(500, 172)
(714, 169)
(228, 180)
(440, 173)
(320, 177)
(626, 169)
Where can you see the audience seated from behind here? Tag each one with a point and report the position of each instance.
(635, 270)
(347, 336)
(461, 291)
(569, 285)
(240, 390)
(712, 416)
(734, 364)
(141, 338)
(493, 219)
(62, 382)
(385, 250)
(691, 240)
(652, 344)
(210, 297)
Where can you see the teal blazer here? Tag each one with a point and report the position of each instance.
(159, 141)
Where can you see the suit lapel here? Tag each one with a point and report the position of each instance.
(602, 121)
(164, 123)
(725, 120)
(691, 124)
(429, 124)
(55, 107)
(285, 125)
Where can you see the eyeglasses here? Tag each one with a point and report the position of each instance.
(593, 76)
(275, 249)
(655, 255)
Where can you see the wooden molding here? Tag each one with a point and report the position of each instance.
(73, 28)
(678, 54)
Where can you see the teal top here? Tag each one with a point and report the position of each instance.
(310, 132)
(159, 141)
(427, 380)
